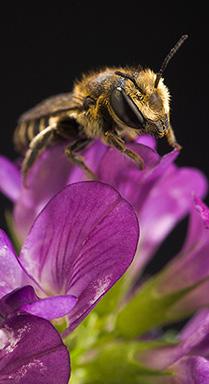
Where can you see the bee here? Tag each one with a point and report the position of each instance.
(114, 104)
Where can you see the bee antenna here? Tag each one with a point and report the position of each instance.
(169, 57)
(129, 77)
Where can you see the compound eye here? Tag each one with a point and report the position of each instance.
(126, 109)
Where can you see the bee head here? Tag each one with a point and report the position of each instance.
(140, 99)
(136, 104)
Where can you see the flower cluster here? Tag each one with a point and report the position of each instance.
(79, 242)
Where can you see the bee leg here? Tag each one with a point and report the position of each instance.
(171, 139)
(76, 159)
(37, 145)
(115, 141)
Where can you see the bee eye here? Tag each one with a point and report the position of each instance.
(126, 109)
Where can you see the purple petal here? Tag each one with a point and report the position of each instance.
(193, 263)
(169, 201)
(134, 184)
(196, 333)
(15, 300)
(147, 140)
(93, 155)
(9, 179)
(190, 267)
(203, 210)
(10, 271)
(25, 300)
(126, 177)
(193, 340)
(32, 352)
(36, 195)
(198, 226)
(51, 307)
(191, 370)
(81, 244)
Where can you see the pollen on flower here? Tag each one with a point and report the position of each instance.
(101, 287)
(12, 340)
(3, 250)
(8, 341)
(22, 331)
(3, 339)
(23, 370)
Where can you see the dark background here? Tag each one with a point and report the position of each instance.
(44, 50)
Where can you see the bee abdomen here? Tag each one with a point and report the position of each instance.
(26, 131)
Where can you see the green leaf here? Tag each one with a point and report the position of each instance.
(110, 301)
(84, 337)
(149, 308)
(113, 299)
(116, 363)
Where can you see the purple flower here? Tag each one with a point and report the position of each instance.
(78, 247)
(162, 194)
(186, 361)
(191, 266)
(31, 350)
(42, 183)
(179, 289)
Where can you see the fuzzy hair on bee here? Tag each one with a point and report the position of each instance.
(114, 104)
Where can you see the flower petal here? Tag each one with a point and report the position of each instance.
(10, 270)
(194, 370)
(147, 140)
(169, 201)
(15, 300)
(93, 155)
(51, 307)
(198, 226)
(195, 335)
(193, 340)
(36, 195)
(10, 180)
(193, 264)
(126, 177)
(203, 210)
(25, 300)
(32, 352)
(81, 244)
(161, 194)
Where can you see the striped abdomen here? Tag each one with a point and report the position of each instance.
(27, 130)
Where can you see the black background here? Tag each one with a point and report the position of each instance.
(44, 50)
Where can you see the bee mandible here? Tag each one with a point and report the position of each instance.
(113, 104)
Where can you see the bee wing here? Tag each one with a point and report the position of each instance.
(50, 106)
